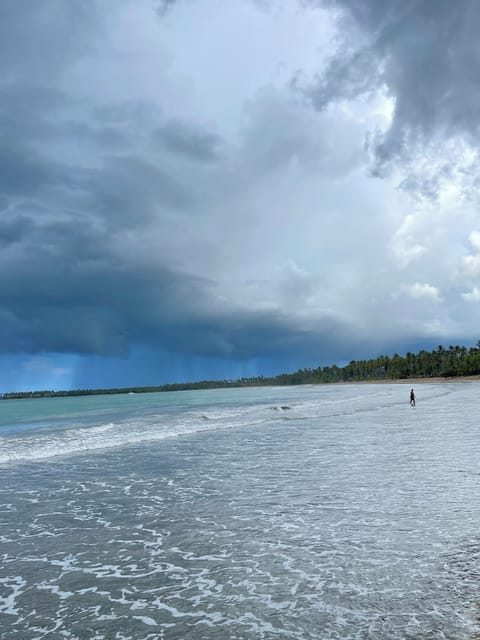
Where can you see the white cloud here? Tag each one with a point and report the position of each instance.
(405, 253)
(422, 291)
(470, 264)
(472, 296)
(474, 238)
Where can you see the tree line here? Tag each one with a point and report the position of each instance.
(441, 362)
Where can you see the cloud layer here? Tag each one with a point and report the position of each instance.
(308, 200)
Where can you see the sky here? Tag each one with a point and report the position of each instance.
(201, 189)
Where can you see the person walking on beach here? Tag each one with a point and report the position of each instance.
(412, 397)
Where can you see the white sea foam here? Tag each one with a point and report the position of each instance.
(15, 585)
(82, 439)
(355, 522)
(148, 425)
(146, 620)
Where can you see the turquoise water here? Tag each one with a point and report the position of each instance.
(308, 512)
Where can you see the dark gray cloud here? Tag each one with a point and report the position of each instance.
(38, 39)
(13, 230)
(26, 112)
(69, 285)
(24, 172)
(188, 141)
(427, 56)
(64, 289)
(162, 6)
(129, 189)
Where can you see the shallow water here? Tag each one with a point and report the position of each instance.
(298, 512)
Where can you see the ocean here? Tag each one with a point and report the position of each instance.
(325, 512)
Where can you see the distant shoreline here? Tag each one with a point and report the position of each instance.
(33, 395)
(454, 364)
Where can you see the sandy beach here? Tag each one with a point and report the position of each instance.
(416, 381)
(439, 379)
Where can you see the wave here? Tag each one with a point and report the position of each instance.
(81, 439)
(72, 439)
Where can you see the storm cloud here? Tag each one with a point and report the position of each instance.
(424, 55)
(165, 189)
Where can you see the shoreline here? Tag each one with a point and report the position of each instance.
(35, 395)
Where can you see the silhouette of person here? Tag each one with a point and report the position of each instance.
(412, 397)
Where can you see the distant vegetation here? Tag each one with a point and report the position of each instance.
(441, 362)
